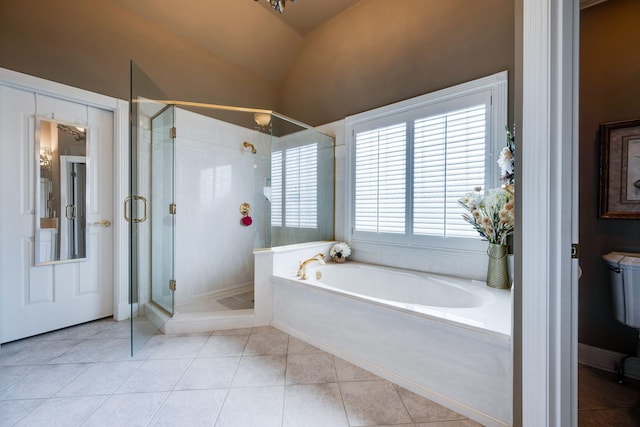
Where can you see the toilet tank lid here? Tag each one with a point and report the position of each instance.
(627, 259)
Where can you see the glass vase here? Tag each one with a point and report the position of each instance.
(498, 268)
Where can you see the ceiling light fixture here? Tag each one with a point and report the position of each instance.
(262, 119)
(279, 4)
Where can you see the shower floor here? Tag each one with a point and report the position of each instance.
(241, 301)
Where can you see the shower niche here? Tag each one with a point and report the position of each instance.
(210, 184)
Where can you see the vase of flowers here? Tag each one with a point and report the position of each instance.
(491, 214)
(340, 252)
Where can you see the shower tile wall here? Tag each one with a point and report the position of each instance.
(214, 175)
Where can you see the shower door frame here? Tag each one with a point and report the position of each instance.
(162, 283)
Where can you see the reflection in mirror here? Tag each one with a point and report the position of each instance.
(61, 189)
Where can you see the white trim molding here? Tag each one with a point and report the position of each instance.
(547, 220)
(122, 307)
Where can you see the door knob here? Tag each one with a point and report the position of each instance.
(105, 223)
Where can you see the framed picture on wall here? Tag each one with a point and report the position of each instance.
(620, 170)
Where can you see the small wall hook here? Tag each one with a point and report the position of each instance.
(245, 208)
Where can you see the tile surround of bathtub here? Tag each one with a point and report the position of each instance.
(286, 259)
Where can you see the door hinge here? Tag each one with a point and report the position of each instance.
(172, 285)
(172, 132)
(172, 209)
(574, 250)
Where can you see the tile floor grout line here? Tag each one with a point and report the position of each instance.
(96, 410)
(44, 400)
(284, 385)
(344, 405)
(404, 405)
(226, 396)
(159, 407)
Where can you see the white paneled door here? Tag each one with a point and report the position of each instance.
(37, 299)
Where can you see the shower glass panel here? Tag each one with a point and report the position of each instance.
(147, 208)
(301, 184)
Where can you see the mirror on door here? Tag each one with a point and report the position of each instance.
(61, 192)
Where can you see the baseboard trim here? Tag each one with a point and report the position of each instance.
(123, 311)
(608, 360)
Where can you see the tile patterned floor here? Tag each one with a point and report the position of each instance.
(84, 376)
(602, 401)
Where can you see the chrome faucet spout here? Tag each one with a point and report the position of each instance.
(302, 269)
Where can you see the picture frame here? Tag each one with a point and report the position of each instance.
(620, 170)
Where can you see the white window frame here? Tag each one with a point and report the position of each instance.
(494, 88)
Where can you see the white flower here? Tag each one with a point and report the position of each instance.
(341, 250)
(506, 161)
(490, 214)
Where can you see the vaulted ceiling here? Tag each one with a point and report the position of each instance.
(247, 33)
(319, 61)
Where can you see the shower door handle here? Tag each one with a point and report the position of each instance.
(135, 220)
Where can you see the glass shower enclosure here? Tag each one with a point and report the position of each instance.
(209, 184)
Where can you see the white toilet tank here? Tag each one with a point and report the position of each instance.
(624, 277)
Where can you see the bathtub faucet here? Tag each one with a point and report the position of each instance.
(302, 270)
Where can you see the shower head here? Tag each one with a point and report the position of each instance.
(248, 144)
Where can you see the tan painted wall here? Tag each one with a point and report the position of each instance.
(609, 92)
(89, 43)
(375, 53)
(380, 51)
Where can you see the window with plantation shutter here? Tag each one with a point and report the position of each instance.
(381, 179)
(412, 161)
(294, 187)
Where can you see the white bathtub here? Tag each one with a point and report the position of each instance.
(445, 338)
